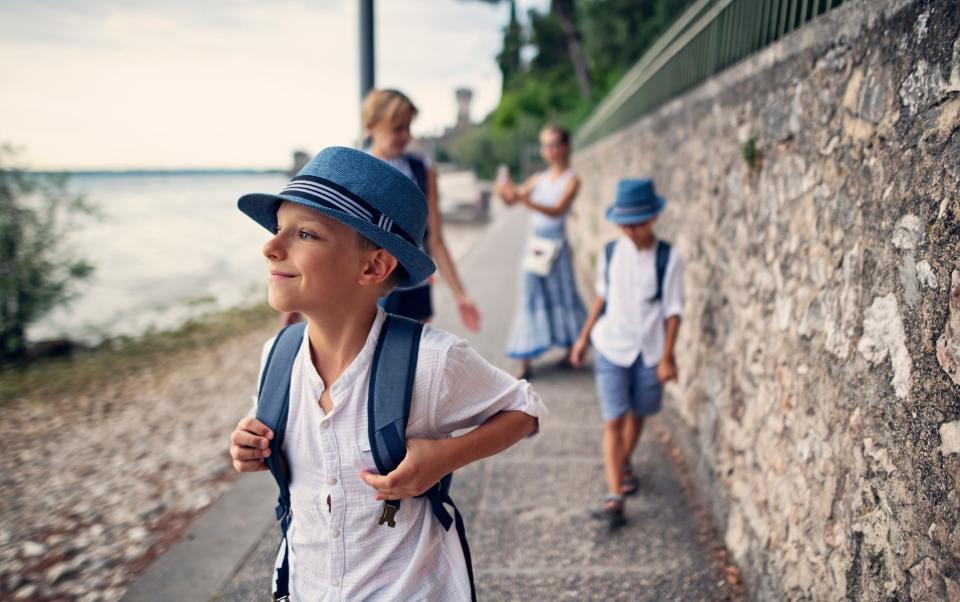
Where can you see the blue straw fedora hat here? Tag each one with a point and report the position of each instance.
(636, 202)
(362, 192)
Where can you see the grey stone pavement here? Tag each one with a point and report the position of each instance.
(525, 510)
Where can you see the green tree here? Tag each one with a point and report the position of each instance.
(581, 50)
(37, 269)
(509, 57)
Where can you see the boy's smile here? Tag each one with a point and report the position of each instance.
(313, 261)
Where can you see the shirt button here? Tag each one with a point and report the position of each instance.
(335, 583)
(335, 533)
(325, 424)
(332, 481)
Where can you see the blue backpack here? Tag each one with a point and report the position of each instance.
(663, 257)
(388, 408)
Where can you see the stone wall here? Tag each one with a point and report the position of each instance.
(818, 403)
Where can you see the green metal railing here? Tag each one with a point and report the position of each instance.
(709, 37)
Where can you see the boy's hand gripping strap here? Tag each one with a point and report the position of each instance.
(273, 403)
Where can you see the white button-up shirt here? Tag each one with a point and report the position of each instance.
(634, 323)
(337, 549)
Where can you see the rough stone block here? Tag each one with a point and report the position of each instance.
(948, 345)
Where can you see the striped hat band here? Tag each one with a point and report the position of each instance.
(333, 196)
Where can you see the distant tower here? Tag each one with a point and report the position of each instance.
(464, 96)
(300, 158)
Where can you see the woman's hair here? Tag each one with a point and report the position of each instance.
(562, 133)
(387, 105)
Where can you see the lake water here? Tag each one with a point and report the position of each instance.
(171, 247)
(166, 248)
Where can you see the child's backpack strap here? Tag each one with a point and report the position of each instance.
(419, 169)
(388, 409)
(608, 257)
(273, 402)
(663, 258)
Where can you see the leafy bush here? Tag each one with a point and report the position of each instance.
(37, 268)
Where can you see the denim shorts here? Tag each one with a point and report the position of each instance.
(635, 389)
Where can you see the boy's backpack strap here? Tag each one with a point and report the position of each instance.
(663, 258)
(273, 402)
(608, 257)
(419, 170)
(388, 409)
(391, 390)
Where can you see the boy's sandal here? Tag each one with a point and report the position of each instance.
(611, 511)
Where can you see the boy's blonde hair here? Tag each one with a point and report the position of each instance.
(387, 105)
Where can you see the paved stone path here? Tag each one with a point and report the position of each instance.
(526, 510)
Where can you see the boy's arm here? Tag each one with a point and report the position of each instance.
(667, 368)
(583, 341)
(579, 348)
(468, 392)
(673, 307)
(427, 460)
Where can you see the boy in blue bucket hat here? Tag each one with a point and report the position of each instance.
(346, 230)
(633, 325)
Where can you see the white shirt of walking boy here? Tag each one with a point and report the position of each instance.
(633, 321)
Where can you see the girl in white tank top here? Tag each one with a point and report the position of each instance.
(549, 312)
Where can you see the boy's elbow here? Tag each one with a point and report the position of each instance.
(534, 426)
(528, 425)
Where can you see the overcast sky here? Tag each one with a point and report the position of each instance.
(90, 84)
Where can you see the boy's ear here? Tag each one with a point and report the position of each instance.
(377, 268)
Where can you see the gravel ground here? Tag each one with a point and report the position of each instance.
(97, 486)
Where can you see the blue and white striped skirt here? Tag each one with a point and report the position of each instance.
(549, 312)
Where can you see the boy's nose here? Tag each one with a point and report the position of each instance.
(273, 249)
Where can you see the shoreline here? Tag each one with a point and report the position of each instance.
(88, 366)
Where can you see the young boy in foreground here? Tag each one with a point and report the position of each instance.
(347, 229)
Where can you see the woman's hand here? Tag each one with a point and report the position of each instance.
(506, 191)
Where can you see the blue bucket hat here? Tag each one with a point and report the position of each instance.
(362, 192)
(636, 202)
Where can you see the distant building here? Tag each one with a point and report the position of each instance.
(441, 148)
(300, 158)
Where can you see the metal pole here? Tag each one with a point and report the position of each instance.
(366, 47)
(367, 80)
